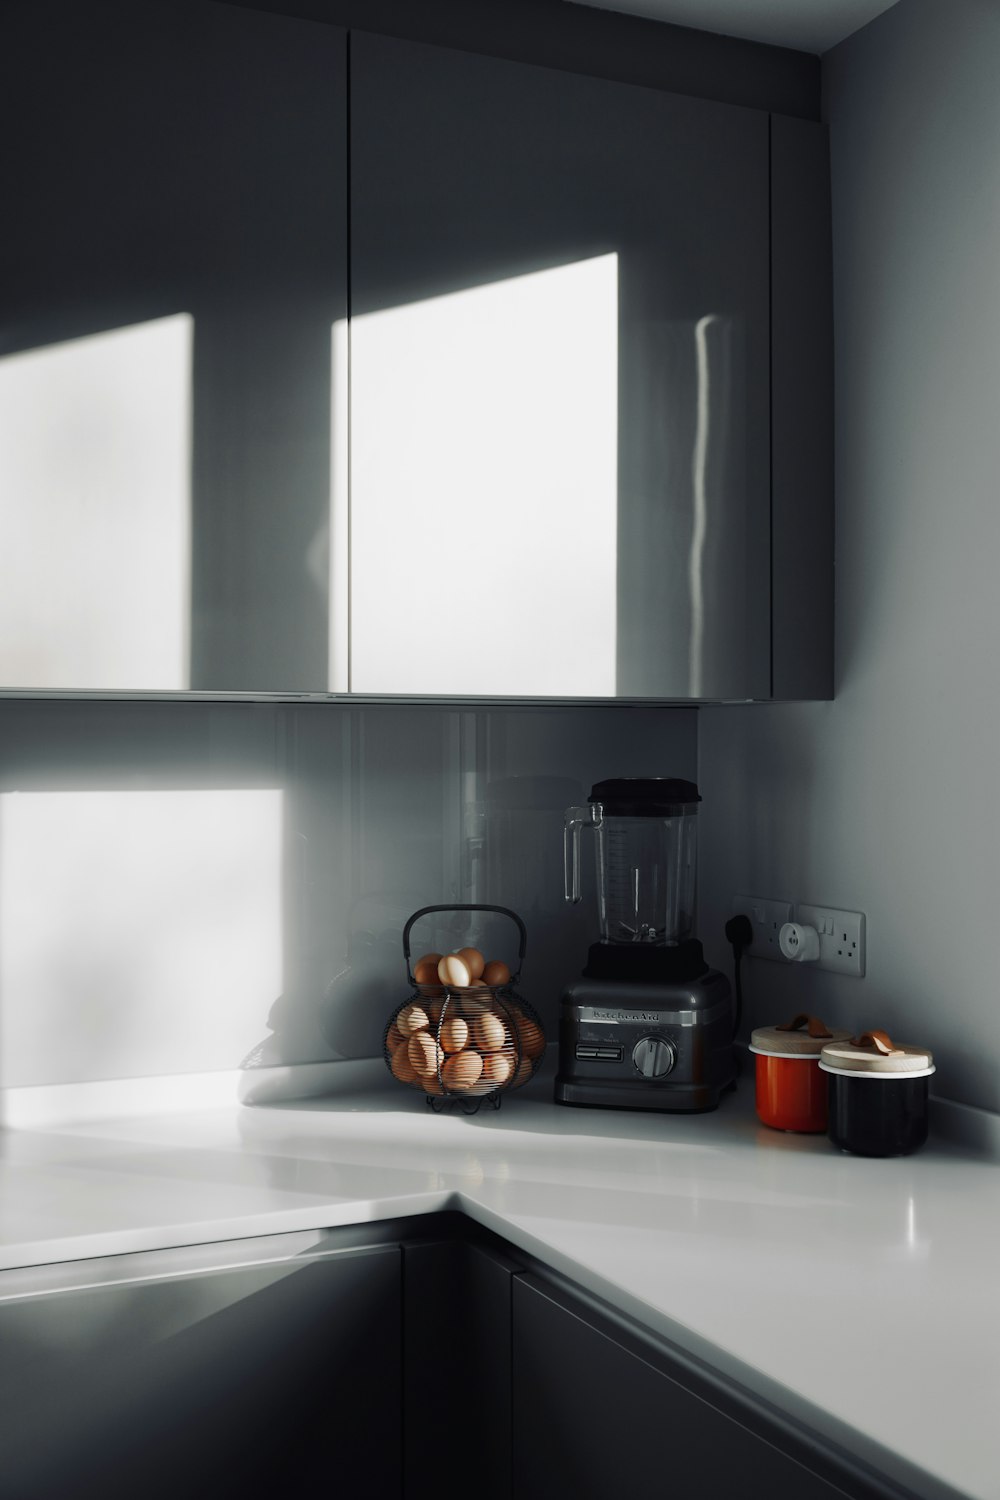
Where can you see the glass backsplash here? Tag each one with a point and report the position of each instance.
(189, 887)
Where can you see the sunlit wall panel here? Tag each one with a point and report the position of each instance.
(483, 489)
(140, 931)
(95, 460)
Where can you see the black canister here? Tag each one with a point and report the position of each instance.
(878, 1095)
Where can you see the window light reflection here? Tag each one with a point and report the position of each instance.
(140, 931)
(95, 501)
(483, 480)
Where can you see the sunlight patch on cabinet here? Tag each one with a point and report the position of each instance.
(483, 489)
(140, 931)
(95, 510)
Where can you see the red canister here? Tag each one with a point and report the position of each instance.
(791, 1090)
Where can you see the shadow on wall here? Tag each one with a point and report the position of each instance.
(191, 887)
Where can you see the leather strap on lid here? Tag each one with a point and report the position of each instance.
(813, 1025)
(880, 1040)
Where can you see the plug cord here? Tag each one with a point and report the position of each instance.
(739, 933)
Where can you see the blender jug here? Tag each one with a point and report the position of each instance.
(645, 858)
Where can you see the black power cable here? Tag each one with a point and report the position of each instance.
(739, 932)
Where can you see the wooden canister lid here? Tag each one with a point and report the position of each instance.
(803, 1036)
(874, 1052)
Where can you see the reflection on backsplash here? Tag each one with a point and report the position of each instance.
(135, 920)
(381, 810)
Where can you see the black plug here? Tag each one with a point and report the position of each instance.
(739, 932)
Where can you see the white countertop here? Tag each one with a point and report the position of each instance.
(859, 1296)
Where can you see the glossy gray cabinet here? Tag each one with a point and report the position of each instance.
(336, 363)
(172, 266)
(456, 1368)
(176, 1374)
(560, 347)
(599, 1412)
(393, 1357)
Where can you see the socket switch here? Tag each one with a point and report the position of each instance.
(841, 937)
(767, 918)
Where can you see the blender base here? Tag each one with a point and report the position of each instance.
(662, 1046)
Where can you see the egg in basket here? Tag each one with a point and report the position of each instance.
(463, 1034)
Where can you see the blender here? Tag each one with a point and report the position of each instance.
(648, 1025)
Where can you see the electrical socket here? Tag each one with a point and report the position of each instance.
(841, 933)
(767, 919)
(841, 937)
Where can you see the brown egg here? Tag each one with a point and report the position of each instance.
(434, 1009)
(425, 972)
(393, 1037)
(496, 973)
(477, 1002)
(497, 1068)
(454, 971)
(427, 958)
(454, 1034)
(431, 1085)
(424, 1053)
(462, 1070)
(530, 1037)
(474, 962)
(401, 1067)
(488, 1033)
(411, 1019)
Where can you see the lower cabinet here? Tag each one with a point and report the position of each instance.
(457, 1370)
(400, 1361)
(247, 1380)
(598, 1416)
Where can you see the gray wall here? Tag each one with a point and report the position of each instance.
(886, 800)
(190, 887)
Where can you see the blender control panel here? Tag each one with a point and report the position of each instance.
(584, 1051)
(651, 1056)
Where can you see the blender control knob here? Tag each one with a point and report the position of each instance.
(653, 1056)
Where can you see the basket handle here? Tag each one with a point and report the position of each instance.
(504, 911)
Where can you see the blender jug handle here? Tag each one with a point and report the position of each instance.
(576, 819)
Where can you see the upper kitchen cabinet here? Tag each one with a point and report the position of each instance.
(545, 424)
(172, 266)
(560, 359)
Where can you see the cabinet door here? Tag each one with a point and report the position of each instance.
(559, 355)
(595, 1420)
(456, 1370)
(256, 1381)
(172, 265)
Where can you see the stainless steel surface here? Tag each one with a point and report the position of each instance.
(653, 1056)
(621, 1015)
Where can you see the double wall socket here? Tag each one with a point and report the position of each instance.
(841, 933)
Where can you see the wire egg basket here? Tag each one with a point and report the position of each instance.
(460, 1043)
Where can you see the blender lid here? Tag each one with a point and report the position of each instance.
(644, 797)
